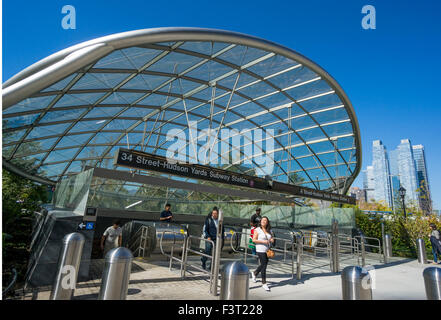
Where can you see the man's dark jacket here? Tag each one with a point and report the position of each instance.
(210, 229)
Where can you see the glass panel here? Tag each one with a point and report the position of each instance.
(272, 65)
(16, 122)
(79, 99)
(60, 85)
(30, 104)
(204, 47)
(62, 115)
(145, 82)
(74, 140)
(99, 80)
(174, 63)
(209, 71)
(309, 90)
(106, 112)
(122, 98)
(43, 131)
(72, 193)
(293, 77)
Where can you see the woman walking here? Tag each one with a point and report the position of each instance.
(262, 238)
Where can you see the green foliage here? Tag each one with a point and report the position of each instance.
(21, 198)
(404, 232)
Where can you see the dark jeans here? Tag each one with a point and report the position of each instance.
(263, 262)
(208, 250)
(435, 255)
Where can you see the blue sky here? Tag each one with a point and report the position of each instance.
(391, 74)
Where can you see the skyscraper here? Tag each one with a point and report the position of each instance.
(381, 173)
(423, 180)
(407, 171)
(394, 176)
(369, 183)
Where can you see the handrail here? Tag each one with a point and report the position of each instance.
(188, 249)
(284, 251)
(371, 245)
(11, 284)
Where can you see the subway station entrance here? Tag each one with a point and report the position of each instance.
(121, 125)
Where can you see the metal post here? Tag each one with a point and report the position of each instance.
(388, 245)
(235, 281)
(432, 282)
(384, 243)
(116, 274)
(363, 251)
(184, 256)
(335, 247)
(184, 259)
(421, 246)
(245, 250)
(299, 257)
(217, 254)
(356, 284)
(68, 267)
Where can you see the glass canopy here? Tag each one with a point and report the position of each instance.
(132, 96)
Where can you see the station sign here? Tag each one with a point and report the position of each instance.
(145, 161)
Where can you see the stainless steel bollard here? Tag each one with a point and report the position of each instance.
(335, 247)
(217, 254)
(421, 248)
(235, 281)
(299, 257)
(116, 274)
(363, 251)
(68, 267)
(432, 282)
(356, 284)
(388, 245)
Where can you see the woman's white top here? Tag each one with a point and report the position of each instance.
(261, 236)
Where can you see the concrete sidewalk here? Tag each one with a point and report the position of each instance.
(152, 280)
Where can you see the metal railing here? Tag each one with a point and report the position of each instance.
(202, 254)
(186, 248)
(139, 245)
(11, 284)
(172, 246)
(286, 243)
(349, 246)
(320, 244)
(366, 244)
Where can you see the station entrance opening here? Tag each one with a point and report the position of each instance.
(95, 120)
(90, 201)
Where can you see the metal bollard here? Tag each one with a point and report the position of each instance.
(235, 281)
(363, 251)
(68, 267)
(356, 284)
(299, 257)
(116, 274)
(421, 246)
(388, 245)
(432, 282)
(335, 247)
(217, 255)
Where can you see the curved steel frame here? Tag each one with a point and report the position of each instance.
(55, 67)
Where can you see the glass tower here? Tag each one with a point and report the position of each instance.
(368, 183)
(381, 172)
(407, 171)
(423, 180)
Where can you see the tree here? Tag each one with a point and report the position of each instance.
(21, 197)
